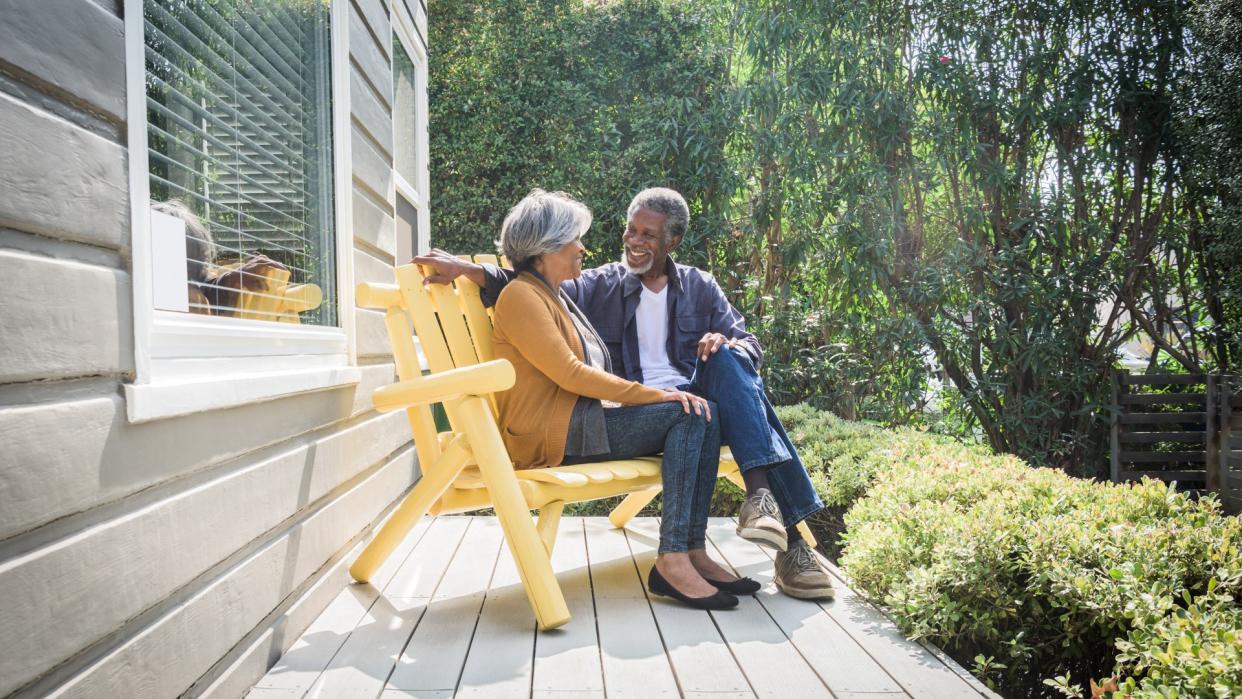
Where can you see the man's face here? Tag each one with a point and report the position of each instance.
(645, 245)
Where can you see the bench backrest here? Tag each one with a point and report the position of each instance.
(453, 330)
(277, 299)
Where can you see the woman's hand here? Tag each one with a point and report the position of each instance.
(688, 401)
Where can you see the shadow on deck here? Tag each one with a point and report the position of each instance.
(446, 616)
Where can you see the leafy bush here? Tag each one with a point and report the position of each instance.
(1029, 573)
(596, 99)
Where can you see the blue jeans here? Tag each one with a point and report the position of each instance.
(749, 425)
(691, 447)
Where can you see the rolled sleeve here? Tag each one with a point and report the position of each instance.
(495, 280)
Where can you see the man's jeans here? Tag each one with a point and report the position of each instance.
(691, 447)
(751, 429)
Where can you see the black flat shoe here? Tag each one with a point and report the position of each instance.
(741, 586)
(721, 600)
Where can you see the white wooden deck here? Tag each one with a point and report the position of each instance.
(446, 616)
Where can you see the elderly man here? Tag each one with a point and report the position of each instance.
(666, 325)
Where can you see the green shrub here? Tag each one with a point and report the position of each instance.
(1030, 573)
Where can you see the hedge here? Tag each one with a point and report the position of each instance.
(1037, 580)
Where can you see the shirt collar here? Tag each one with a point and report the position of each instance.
(631, 284)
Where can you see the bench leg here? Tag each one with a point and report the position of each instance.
(735, 477)
(533, 564)
(630, 506)
(436, 479)
(549, 520)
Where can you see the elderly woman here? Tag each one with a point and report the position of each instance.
(567, 407)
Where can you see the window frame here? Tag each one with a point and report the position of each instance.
(416, 193)
(186, 363)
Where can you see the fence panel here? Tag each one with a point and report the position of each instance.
(1230, 443)
(1164, 426)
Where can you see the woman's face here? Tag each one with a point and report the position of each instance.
(563, 264)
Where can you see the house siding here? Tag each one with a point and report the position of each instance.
(181, 555)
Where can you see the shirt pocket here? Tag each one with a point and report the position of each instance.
(690, 329)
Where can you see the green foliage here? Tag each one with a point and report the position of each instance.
(596, 99)
(1210, 124)
(988, 197)
(1032, 573)
(970, 179)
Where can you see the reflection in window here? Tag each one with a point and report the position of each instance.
(240, 132)
(405, 114)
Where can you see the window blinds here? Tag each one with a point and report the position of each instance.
(240, 134)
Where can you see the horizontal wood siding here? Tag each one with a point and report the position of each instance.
(373, 225)
(58, 179)
(110, 572)
(152, 559)
(63, 319)
(187, 641)
(78, 48)
(369, 112)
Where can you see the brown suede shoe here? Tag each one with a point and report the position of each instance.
(760, 521)
(803, 573)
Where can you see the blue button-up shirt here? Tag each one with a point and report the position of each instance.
(609, 297)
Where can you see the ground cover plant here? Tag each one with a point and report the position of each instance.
(1037, 581)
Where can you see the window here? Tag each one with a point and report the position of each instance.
(409, 110)
(239, 134)
(240, 255)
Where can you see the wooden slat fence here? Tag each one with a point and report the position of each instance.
(1230, 442)
(1179, 427)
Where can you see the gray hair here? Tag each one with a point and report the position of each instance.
(541, 223)
(200, 249)
(667, 202)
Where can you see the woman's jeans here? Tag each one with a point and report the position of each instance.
(749, 425)
(691, 447)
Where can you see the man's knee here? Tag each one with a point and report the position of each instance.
(729, 365)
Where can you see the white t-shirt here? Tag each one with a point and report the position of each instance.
(652, 320)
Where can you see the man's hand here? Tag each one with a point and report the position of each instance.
(711, 343)
(447, 267)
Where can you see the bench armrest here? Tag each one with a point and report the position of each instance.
(475, 380)
(380, 297)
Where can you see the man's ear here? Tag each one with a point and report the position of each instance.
(675, 242)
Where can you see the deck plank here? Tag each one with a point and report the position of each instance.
(452, 598)
(837, 659)
(307, 658)
(701, 659)
(916, 669)
(300, 665)
(423, 569)
(631, 650)
(501, 657)
(366, 659)
(433, 659)
(567, 660)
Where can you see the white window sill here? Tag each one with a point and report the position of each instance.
(153, 401)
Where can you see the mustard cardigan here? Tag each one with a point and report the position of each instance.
(536, 334)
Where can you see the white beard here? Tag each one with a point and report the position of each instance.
(641, 269)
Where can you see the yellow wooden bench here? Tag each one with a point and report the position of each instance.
(468, 467)
(278, 300)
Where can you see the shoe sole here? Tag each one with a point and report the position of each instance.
(818, 593)
(765, 538)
